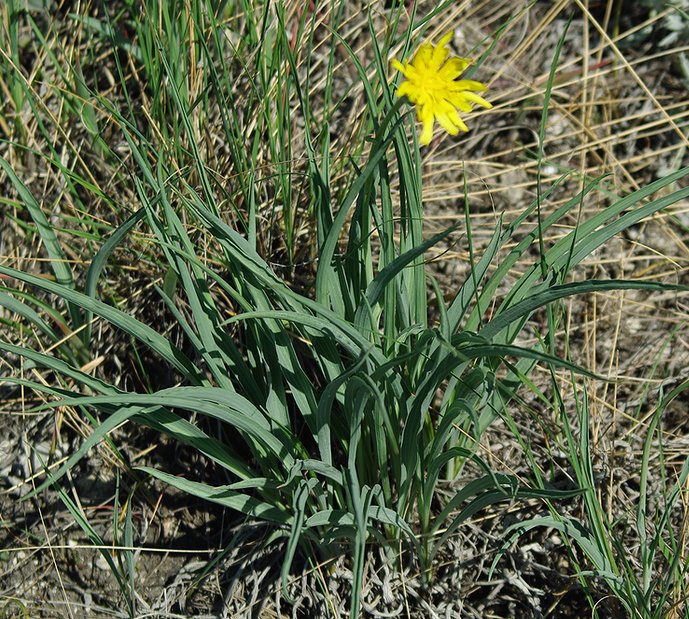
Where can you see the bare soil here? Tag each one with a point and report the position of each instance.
(619, 110)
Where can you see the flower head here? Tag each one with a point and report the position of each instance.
(432, 85)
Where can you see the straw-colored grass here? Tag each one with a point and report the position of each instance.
(263, 356)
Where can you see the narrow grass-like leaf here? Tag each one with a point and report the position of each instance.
(120, 319)
(98, 264)
(28, 313)
(648, 550)
(594, 232)
(220, 404)
(567, 526)
(58, 259)
(326, 277)
(222, 495)
(155, 417)
(98, 542)
(299, 498)
(376, 288)
(508, 317)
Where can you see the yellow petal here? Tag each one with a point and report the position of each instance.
(446, 39)
(459, 122)
(432, 84)
(398, 65)
(426, 116)
(447, 124)
(449, 119)
(459, 100)
(427, 132)
(407, 89)
(469, 85)
(474, 98)
(438, 57)
(424, 112)
(440, 52)
(453, 68)
(422, 58)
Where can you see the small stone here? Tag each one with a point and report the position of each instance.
(101, 563)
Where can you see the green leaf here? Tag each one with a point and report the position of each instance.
(223, 495)
(58, 259)
(156, 342)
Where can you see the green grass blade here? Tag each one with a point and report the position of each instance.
(507, 318)
(118, 318)
(58, 259)
(222, 495)
(99, 261)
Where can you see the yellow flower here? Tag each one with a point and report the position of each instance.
(432, 86)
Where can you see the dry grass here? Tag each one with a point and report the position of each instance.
(619, 109)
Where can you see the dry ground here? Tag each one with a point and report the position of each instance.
(619, 108)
